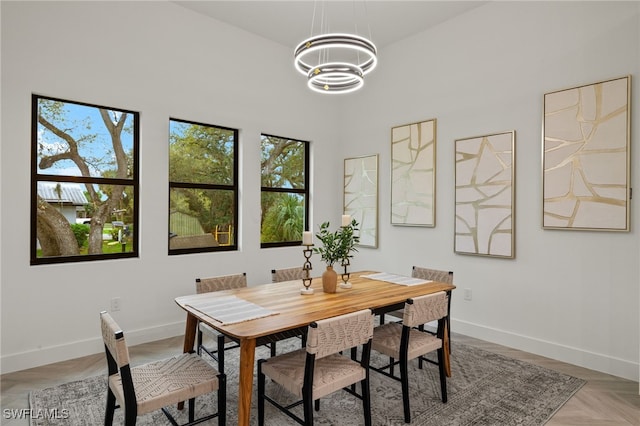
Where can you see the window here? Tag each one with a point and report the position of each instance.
(203, 187)
(284, 192)
(84, 182)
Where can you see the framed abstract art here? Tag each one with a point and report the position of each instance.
(485, 195)
(586, 161)
(361, 196)
(413, 174)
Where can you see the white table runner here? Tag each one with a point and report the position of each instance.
(396, 279)
(231, 309)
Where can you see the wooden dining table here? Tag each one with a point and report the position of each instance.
(292, 311)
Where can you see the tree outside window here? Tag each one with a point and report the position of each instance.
(284, 191)
(203, 188)
(84, 186)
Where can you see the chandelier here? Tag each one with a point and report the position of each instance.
(335, 62)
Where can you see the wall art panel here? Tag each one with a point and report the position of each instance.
(361, 196)
(585, 178)
(413, 174)
(484, 195)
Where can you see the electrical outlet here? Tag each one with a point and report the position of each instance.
(116, 304)
(467, 294)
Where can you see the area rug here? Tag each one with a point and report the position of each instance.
(485, 389)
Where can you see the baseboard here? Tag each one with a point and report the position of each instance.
(48, 355)
(576, 356)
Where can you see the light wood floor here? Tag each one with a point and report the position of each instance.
(603, 400)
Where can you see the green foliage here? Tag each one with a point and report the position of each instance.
(282, 166)
(81, 233)
(284, 220)
(91, 138)
(107, 191)
(338, 245)
(202, 154)
(282, 162)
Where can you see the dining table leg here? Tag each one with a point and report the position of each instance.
(445, 347)
(245, 389)
(190, 333)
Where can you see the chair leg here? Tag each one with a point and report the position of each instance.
(448, 319)
(199, 341)
(391, 365)
(222, 399)
(421, 328)
(307, 403)
(220, 350)
(192, 410)
(449, 332)
(354, 356)
(273, 349)
(366, 401)
(130, 416)
(111, 406)
(317, 404)
(404, 380)
(443, 375)
(261, 380)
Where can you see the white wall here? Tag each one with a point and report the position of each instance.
(573, 296)
(567, 295)
(164, 61)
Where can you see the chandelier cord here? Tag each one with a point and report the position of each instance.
(366, 20)
(355, 26)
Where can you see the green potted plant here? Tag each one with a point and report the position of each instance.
(336, 246)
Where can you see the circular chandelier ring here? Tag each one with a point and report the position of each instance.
(335, 77)
(335, 41)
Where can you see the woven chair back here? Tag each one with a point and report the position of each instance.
(114, 340)
(223, 282)
(287, 274)
(332, 335)
(432, 274)
(424, 309)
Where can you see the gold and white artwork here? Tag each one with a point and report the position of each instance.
(361, 196)
(586, 157)
(484, 195)
(413, 153)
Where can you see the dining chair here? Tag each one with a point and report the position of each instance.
(442, 277)
(425, 274)
(402, 342)
(157, 384)
(432, 275)
(320, 369)
(290, 274)
(219, 283)
(287, 274)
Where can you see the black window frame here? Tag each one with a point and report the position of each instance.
(305, 192)
(37, 177)
(187, 185)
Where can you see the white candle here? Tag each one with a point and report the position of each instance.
(346, 220)
(307, 238)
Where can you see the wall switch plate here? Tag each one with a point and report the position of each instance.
(116, 304)
(467, 294)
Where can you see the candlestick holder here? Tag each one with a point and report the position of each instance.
(306, 281)
(346, 274)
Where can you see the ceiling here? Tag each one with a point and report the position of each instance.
(290, 22)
